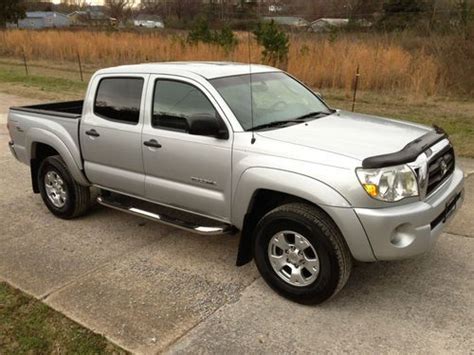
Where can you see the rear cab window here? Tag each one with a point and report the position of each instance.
(119, 98)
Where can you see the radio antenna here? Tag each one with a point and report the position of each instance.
(251, 89)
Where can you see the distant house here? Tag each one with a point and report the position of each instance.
(43, 19)
(78, 18)
(148, 21)
(289, 21)
(275, 8)
(327, 24)
(91, 16)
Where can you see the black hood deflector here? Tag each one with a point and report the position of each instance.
(408, 154)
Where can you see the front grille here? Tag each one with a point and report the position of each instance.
(440, 167)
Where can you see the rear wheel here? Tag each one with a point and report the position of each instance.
(63, 196)
(301, 253)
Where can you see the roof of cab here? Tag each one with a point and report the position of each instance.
(208, 70)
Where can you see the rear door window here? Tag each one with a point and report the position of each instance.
(119, 99)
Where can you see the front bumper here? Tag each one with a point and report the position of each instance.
(409, 230)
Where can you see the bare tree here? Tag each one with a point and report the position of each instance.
(313, 9)
(11, 11)
(119, 9)
(78, 3)
(184, 8)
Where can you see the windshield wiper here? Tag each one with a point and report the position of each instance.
(294, 120)
(313, 115)
(274, 124)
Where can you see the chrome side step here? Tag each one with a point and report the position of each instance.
(195, 224)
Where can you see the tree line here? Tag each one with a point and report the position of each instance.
(242, 14)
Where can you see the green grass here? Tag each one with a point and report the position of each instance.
(54, 81)
(455, 115)
(43, 83)
(28, 326)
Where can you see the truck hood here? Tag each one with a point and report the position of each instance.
(353, 135)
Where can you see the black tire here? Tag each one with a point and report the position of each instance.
(78, 196)
(334, 256)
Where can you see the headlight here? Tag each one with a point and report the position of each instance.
(389, 184)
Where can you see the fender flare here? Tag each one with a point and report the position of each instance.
(73, 161)
(291, 183)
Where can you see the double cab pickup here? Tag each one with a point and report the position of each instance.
(218, 148)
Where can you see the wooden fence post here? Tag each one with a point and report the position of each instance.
(24, 62)
(80, 66)
(356, 85)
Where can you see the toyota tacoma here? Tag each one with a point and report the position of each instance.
(217, 148)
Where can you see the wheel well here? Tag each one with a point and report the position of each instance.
(39, 152)
(262, 202)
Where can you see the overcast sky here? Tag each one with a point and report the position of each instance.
(90, 2)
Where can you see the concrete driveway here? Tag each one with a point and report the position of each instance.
(151, 288)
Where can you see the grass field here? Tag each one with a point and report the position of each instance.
(56, 81)
(28, 326)
(331, 62)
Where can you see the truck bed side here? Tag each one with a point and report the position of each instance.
(53, 125)
(66, 109)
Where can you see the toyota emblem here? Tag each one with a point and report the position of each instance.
(443, 166)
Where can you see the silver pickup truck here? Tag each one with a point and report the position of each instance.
(218, 148)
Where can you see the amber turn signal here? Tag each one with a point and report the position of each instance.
(371, 189)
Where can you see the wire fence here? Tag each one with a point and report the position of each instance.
(79, 73)
(33, 68)
(323, 61)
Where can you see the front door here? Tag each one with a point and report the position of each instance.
(187, 171)
(110, 135)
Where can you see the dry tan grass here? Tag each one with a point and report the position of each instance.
(319, 61)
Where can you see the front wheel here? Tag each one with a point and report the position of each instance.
(63, 196)
(301, 253)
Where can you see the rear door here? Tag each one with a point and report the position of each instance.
(187, 171)
(110, 133)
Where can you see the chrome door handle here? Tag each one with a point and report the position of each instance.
(153, 143)
(93, 133)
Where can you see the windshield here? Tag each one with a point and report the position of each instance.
(276, 98)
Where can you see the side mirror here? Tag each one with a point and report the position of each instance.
(203, 124)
